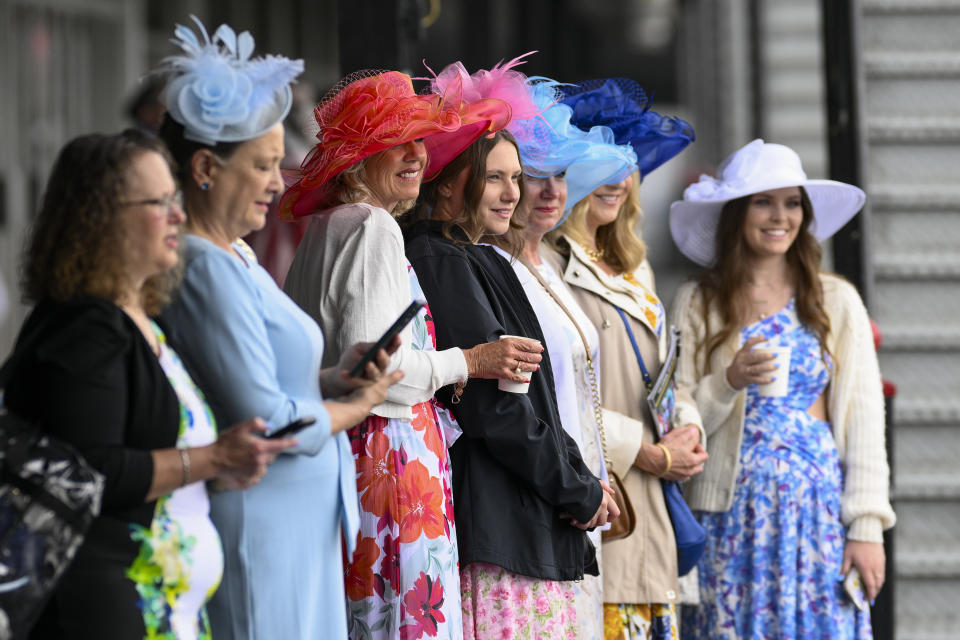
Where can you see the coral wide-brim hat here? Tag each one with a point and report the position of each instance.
(756, 167)
(371, 111)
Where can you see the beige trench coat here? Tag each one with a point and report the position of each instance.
(641, 568)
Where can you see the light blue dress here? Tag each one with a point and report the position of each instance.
(255, 353)
(772, 562)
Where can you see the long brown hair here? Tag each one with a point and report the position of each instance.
(77, 243)
(722, 286)
(623, 247)
(474, 160)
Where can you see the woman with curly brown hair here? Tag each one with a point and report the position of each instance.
(92, 368)
(779, 358)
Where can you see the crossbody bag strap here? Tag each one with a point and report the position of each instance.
(591, 372)
(647, 380)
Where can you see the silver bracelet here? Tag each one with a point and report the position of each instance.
(185, 461)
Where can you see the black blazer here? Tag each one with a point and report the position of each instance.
(515, 470)
(84, 373)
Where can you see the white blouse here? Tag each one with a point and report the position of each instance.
(350, 274)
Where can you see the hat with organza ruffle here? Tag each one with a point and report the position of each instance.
(502, 83)
(371, 111)
(550, 144)
(757, 166)
(218, 93)
(623, 105)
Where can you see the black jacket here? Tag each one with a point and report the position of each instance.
(515, 470)
(85, 373)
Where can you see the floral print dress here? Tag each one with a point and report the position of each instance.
(772, 562)
(180, 561)
(403, 581)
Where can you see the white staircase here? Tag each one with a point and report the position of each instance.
(911, 101)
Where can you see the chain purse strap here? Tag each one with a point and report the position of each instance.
(591, 371)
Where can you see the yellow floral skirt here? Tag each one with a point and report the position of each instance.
(640, 622)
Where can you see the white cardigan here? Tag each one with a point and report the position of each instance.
(350, 274)
(854, 399)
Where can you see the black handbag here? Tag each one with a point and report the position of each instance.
(690, 535)
(49, 496)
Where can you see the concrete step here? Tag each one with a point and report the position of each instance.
(798, 85)
(889, 63)
(788, 17)
(908, 7)
(897, 94)
(926, 608)
(909, 129)
(903, 197)
(914, 26)
(911, 337)
(906, 301)
(928, 384)
(898, 231)
(911, 409)
(928, 563)
(915, 163)
(915, 264)
(792, 52)
(929, 527)
(926, 486)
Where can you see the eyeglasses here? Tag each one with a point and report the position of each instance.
(166, 202)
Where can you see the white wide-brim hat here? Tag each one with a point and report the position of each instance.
(758, 166)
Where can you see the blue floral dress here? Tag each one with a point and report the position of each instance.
(771, 568)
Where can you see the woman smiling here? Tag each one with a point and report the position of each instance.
(350, 273)
(524, 494)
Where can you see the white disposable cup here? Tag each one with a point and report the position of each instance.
(509, 385)
(777, 388)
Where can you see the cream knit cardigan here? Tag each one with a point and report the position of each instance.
(854, 402)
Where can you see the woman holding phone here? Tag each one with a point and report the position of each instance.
(796, 492)
(255, 352)
(350, 273)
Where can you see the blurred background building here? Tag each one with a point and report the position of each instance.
(867, 91)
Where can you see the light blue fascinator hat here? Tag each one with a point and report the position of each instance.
(623, 105)
(551, 144)
(218, 93)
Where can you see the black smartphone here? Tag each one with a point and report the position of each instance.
(294, 427)
(387, 337)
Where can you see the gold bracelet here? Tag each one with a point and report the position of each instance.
(666, 453)
(185, 462)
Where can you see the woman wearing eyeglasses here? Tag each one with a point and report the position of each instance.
(91, 368)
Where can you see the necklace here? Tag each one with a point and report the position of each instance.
(596, 255)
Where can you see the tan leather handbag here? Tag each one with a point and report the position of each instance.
(623, 525)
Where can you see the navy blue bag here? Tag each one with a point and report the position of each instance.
(690, 535)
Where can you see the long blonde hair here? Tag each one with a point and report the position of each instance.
(623, 247)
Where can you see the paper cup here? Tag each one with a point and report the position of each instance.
(509, 385)
(777, 388)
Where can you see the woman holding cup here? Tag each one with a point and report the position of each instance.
(524, 494)
(780, 359)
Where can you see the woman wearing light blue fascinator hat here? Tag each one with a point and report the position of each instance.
(602, 258)
(780, 357)
(254, 352)
(561, 164)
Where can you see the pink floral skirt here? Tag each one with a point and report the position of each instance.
(501, 605)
